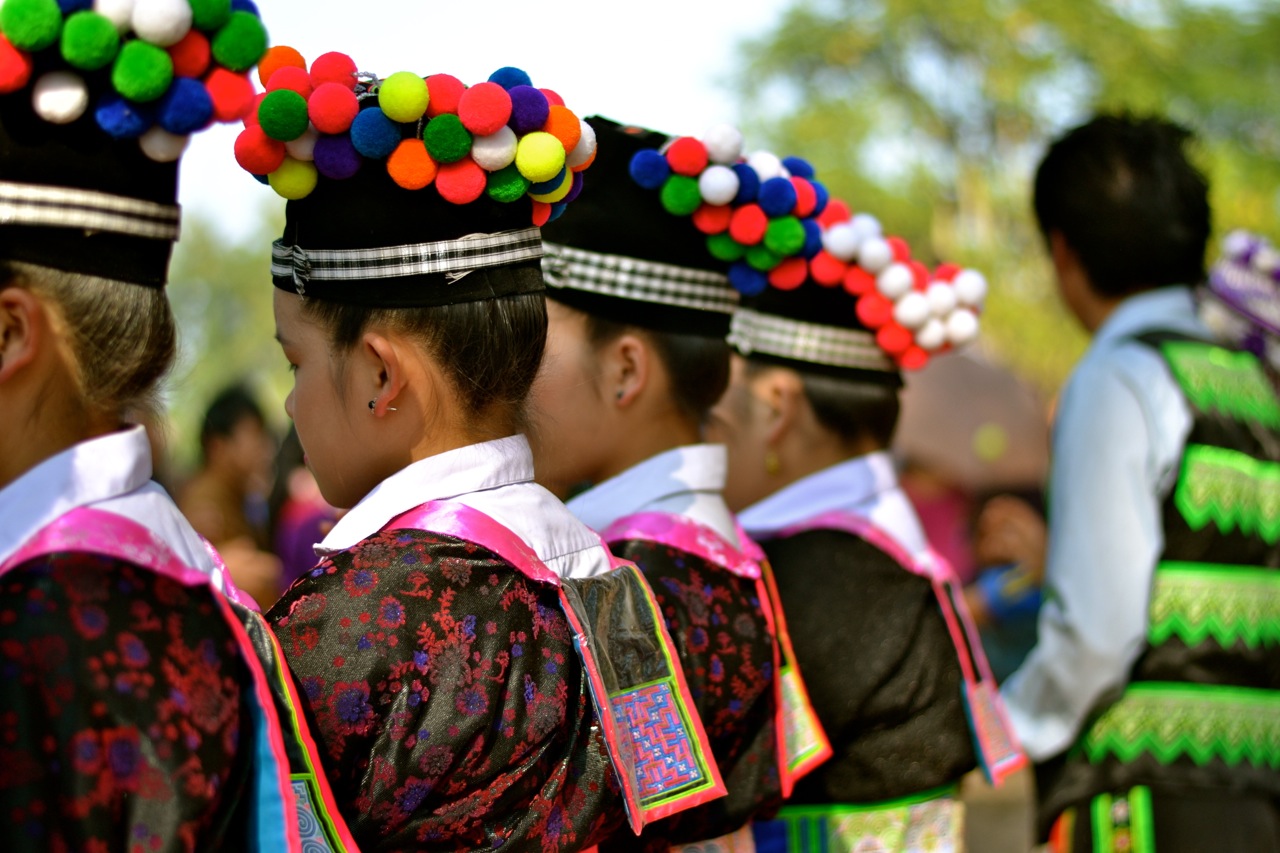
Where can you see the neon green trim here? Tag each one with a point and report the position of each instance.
(1102, 823)
(802, 731)
(1140, 820)
(1200, 721)
(1197, 601)
(884, 825)
(838, 809)
(1231, 489)
(1220, 380)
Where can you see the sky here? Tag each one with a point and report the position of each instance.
(664, 64)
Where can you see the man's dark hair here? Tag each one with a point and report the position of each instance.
(1122, 192)
(229, 408)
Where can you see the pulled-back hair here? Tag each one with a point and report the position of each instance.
(853, 409)
(122, 335)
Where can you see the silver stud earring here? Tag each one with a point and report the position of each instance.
(619, 395)
(372, 403)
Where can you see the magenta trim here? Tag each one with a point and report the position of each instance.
(678, 531)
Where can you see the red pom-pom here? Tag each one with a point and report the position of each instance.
(541, 213)
(553, 97)
(826, 269)
(835, 211)
(748, 224)
(712, 218)
(190, 55)
(913, 359)
(251, 117)
(15, 67)
(806, 197)
(332, 107)
(893, 339)
(901, 251)
(258, 153)
(920, 273)
(946, 272)
(789, 274)
(687, 156)
(484, 108)
(462, 182)
(232, 95)
(858, 281)
(292, 78)
(276, 58)
(874, 309)
(445, 91)
(334, 67)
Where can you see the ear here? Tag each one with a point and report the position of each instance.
(1065, 260)
(385, 371)
(782, 392)
(23, 326)
(630, 369)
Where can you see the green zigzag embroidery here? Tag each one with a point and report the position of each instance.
(1196, 601)
(1217, 379)
(1203, 722)
(1231, 489)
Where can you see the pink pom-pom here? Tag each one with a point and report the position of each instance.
(874, 309)
(789, 274)
(806, 197)
(332, 107)
(835, 211)
(553, 97)
(258, 153)
(445, 91)
(462, 182)
(858, 281)
(334, 67)
(292, 78)
(687, 156)
(232, 95)
(827, 270)
(901, 251)
(712, 218)
(748, 224)
(484, 108)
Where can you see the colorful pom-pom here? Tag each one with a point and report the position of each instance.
(496, 151)
(649, 169)
(901, 251)
(544, 187)
(748, 224)
(777, 196)
(724, 144)
(875, 254)
(31, 24)
(718, 185)
(304, 147)
(687, 156)
(231, 93)
(962, 327)
(784, 236)
(748, 183)
(919, 275)
(858, 281)
(118, 12)
(185, 108)
(724, 248)
(789, 274)
(245, 6)
(257, 153)
(161, 22)
(821, 197)
(60, 97)
(914, 358)
(445, 92)
(335, 157)
(806, 197)
(558, 208)
(541, 213)
(240, 43)
(507, 184)
(70, 7)
(835, 211)
(827, 270)
(842, 241)
(122, 119)
(932, 335)
(798, 167)
(585, 151)
(447, 140)
(942, 298)
(894, 339)
(712, 218)
(484, 108)
(403, 97)
(191, 55)
(763, 258)
(912, 310)
(812, 238)
(411, 166)
(767, 165)
(874, 310)
(508, 77)
(162, 146)
(294, 179)
(970, 287)
(553, 97)
(283, 114)
(529, 109)
(142, 72)
(539, 156)
(373, 134)
(946, 272)
(680, 196)
(564, 125)
(276, 58)
(251, 117)
(210, 14)
(895, 280)
(334, 67)
(89, 41)
(15, 67)
(332, 107)
(578, 183)
(292, 78)
(557, 193)
(746, 279)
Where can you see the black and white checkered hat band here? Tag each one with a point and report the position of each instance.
(812, 343)
(66, 207)
(444, 256)
(642, 281)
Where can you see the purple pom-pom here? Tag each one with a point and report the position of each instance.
(508, 78)
(823, 197)
(121, 119)
(650, 169)
(245, 6)
(69, 6)
(746, 279)
(547, 186)
(185, 108)
(556, 210)
(374, 135)
(812, 237)
(529, 110)
(777, 197)
(798, 167)
(748, 184)
(336, 157)
(575, 190)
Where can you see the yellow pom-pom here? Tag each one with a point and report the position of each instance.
(539, 156)
(403, 97)
(558, 193)
(294, 179)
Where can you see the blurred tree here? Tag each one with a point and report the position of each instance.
(933, 113)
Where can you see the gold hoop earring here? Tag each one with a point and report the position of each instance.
(772, 464)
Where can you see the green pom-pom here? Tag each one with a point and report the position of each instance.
(761, 258)
(283, 115)
(724, 248)
(680, 195)
(240, 43)
(31, 24)
(143, 72)
(507, 185)
(403, 97)
(210, 14)
(89, 41)
(784, 236)
(447, 140)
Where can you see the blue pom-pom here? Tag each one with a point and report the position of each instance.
(777, 197)
(823, 198)
(185, 108)
(69, 6)
(336, 157)
(374, 135)
(748, 184)
(508, 78)
(812, 237)
(529, 109)
(245, 6)
(650, 169)
(121, 119)
(798, 167)
(557, 209)
(265, 180)
(548, 186)
(746, 279)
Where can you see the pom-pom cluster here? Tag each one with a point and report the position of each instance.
(502, 138)
(152, 70)
(1252, 253)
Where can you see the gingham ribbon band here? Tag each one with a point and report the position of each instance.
(65, 207)
(444, 256)
(643, 281)
(808, 342)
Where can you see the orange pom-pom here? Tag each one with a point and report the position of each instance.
(258, 153)
(712, 218)
(919, 274)
(484, 108)
(789, 274)
(332, 107)
(874, 309)
(564, 125)
(251, 117)
(462, 182)
(445, 91)
(541, 213)
(290, 77)
(913, 359)
(748, 224)
(901, 251)
(334, 67)
(276, 58)
(687, 156)
(553, 98)
(858, 281)
(15, 67)
(835, 211)
(411, 166)
(190, 55)
(232, 95)
(893, 338)
(826, 269)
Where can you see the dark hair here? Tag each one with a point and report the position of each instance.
(854, 410)
(490, 349)
(1124, 195)
(697, 365)
(232, 405)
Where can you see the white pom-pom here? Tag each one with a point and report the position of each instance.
(962, 326)
(895, 281)
(718, 184)
(842, 241)
(118, 12)
(866, 225)
(586, 146)
(60, 97)
(495, 151)
(942, 298)
(932, 335)
(970, 287)
(912, 310)
(304, 147)
(874, 255)
(1237, 243)
(162, 22)
(1266, 259)
(766, 164)
(724, 144)
(162, 146)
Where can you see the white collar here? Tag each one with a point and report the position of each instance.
(1171, 308)
(87, 473)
